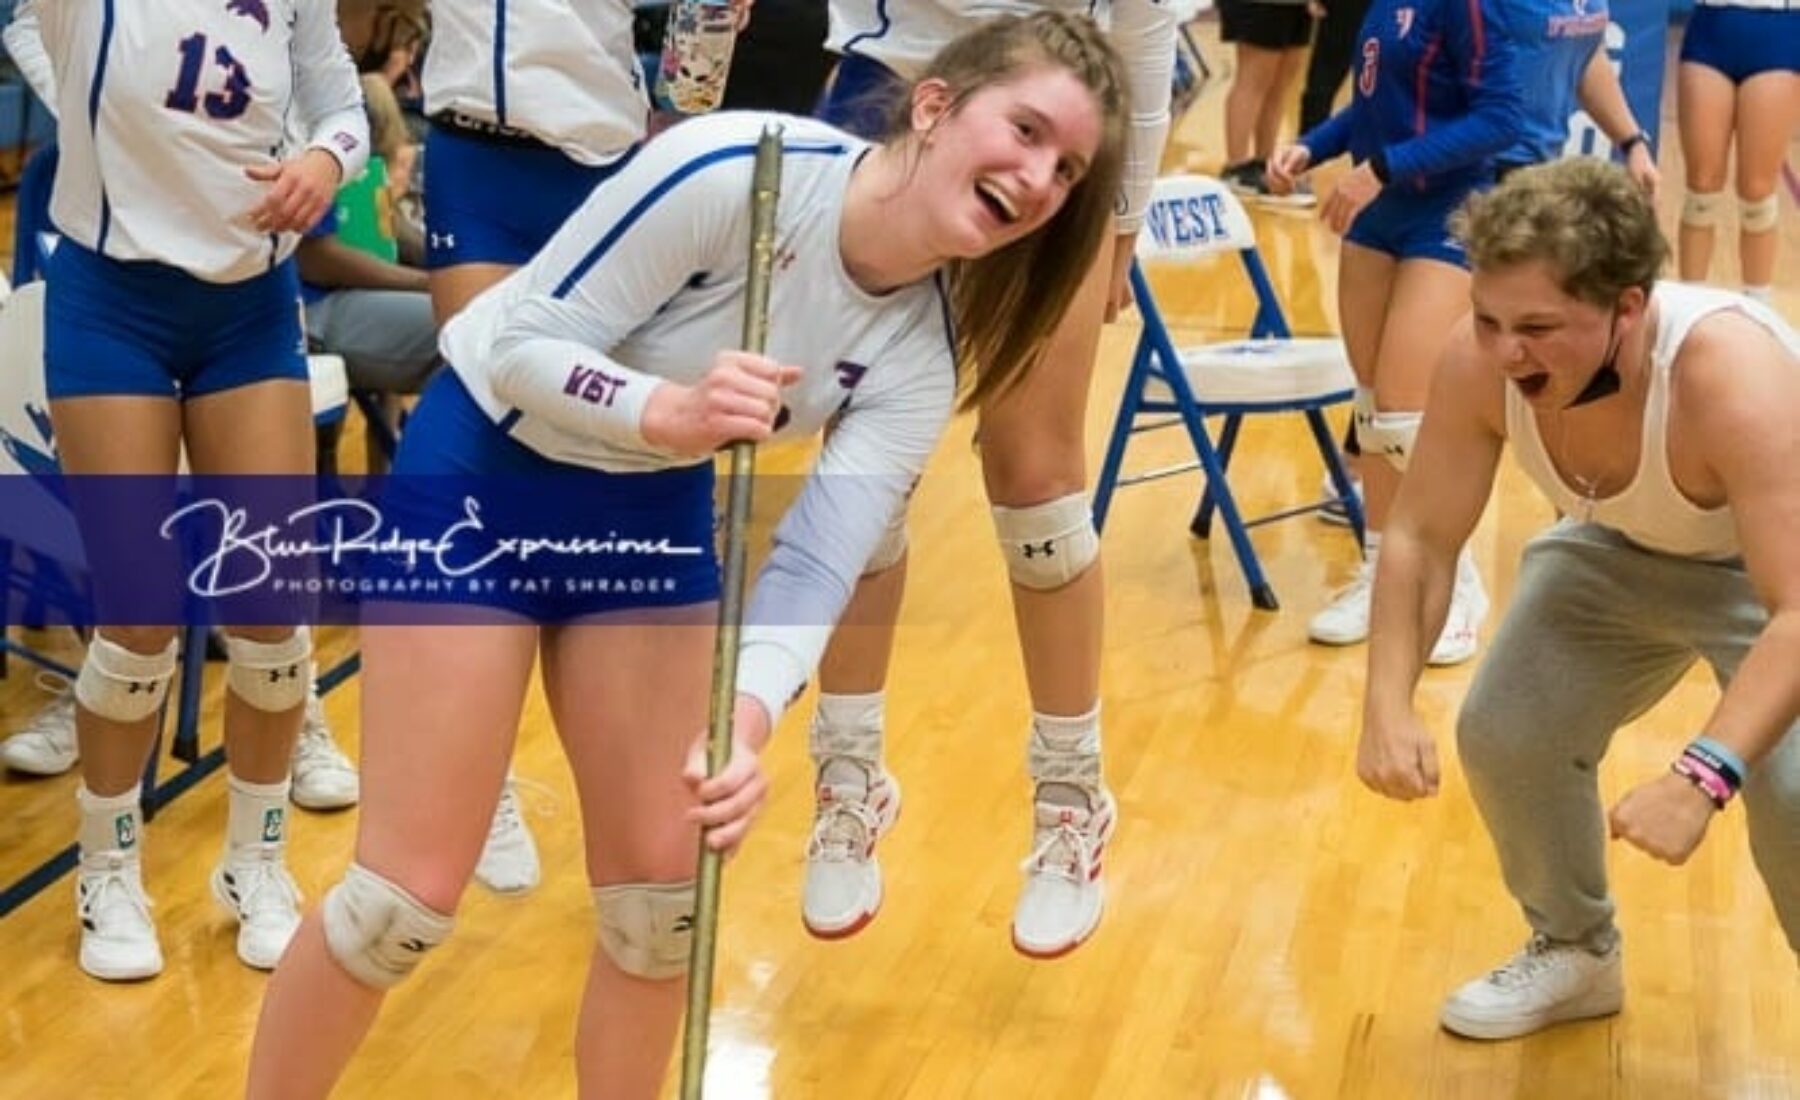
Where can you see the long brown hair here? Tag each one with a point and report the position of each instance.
(1006, 304)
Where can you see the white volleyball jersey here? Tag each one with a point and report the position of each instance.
(905, 34)
(645, 283)
(24, 41)
(1651, 510)
(161, 107)
(564, 71)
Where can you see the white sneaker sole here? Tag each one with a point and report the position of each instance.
(120, 974)
(844, 931)
(1046, 952)
(1592, 1005)
(308, 801)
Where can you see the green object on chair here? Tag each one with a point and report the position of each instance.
(365, 213)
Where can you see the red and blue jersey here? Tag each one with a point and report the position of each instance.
(1556, 40)
(1435, 94)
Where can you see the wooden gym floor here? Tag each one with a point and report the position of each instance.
(1273, 930)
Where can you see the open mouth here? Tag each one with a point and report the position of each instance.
(997, 203)
(1533, 384)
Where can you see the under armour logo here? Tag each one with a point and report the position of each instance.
(137, 686)
(416, 946)
(291, 672)
(683, 923)
(443, 240)
(1047, 549)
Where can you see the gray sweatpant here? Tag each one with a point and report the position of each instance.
(1598, 631)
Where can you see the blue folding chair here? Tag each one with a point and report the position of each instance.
(1190, 219)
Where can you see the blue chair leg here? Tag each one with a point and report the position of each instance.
(187, 713)
(1262, 593)
(1340, 477)
(1129, 404)
(1202, 523)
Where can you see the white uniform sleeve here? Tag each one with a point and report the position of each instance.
(675, 211)
(869, 464)
(25, 42)
(1144, 33)
(326, 89)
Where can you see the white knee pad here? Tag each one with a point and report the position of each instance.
(645, 927)
(377, 931)
(892, 547)
(123, 686)
(1388, 434)
(271, 676)
(1759, 215)
(1701, 209)
(1048, 545)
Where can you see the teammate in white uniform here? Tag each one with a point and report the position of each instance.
(532, 103)
(1676, 465)
(1034, 464)
(171, 321)
(595, 371)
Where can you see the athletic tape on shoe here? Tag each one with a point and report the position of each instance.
(1760, 215)
(891, 548)
(378, 932)
(118, 684)
(1048, 545)
(646, 927)
(1053, 765)
(1701, 209)
(271, 676)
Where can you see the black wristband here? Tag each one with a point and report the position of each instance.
(1378, 164)
(1639, 138)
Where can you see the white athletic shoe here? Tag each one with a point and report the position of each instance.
(46, 746)
(1334, 511)
(842, 889)
(1345, 620)
(254, 887)
(324, 778)
(118, 938)
(1547, 983)
(1462, 623)
(509, 859)
(1064, 895)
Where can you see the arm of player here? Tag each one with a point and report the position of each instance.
(1485, 56)
(25, 42)
(1603, 98)
(1441, 498)
(680, 207)
(869, 464)
(327, 93)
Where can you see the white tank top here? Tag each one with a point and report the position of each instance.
(1651, 510)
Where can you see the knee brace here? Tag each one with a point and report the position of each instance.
(378, 932)
(1759, 215)
(1388, 434)
(645, 927)
(123, 686)
(271, 676)
(1048, 545)
(891, 548)
(1701, 209)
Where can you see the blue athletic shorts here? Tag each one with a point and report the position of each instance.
(1409, 225)
(115, 327)
(1742, 42)
(862, 97)
(621, 541)
(495, 198)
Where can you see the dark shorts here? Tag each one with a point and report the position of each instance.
(137, 327)
(862, 97)
(494, 198)
(1266, 26)
(1410, 225)
(622, 541)
(1742, 42)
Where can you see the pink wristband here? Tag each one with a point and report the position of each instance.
(1710, 782)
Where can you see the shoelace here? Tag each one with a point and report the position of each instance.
(263, 885)
(316, 745)
(1063, 852)
(57, 717)
(1522, 969)
(104, 891)
(841, 830)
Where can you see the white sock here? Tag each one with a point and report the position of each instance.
(1764, 294)
(1064, 757)
(109, 823)
(845, 740)
(258, 813)
(1371, 545)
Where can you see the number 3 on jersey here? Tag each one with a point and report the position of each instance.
(229, 102)
(1371, 62)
